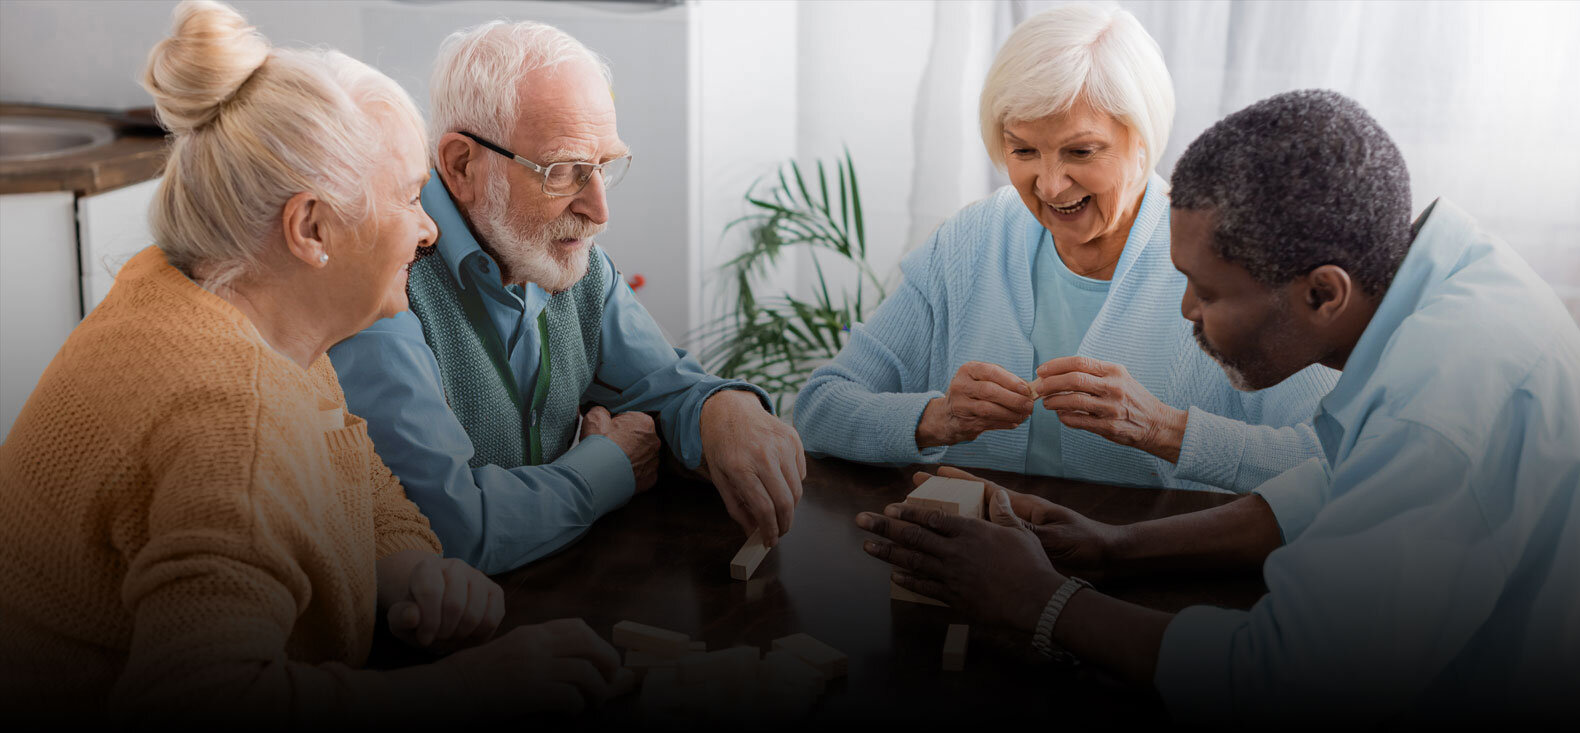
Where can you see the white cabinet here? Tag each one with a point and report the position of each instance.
(58, 257)
(111, 227)
(39, 291)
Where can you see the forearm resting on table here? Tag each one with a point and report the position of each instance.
(1237, 535)
(1118, 636)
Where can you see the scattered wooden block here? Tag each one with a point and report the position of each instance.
(624, 683)
(781, 669)
(638, 659)
(642, 637)
(948, 495)
(661, 689)
(721, 666)
(826, 659)
(750, 556)
(955, 647)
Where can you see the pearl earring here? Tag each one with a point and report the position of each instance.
(323, 259)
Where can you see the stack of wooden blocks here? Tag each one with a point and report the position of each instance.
(682, 680)
(948, 495)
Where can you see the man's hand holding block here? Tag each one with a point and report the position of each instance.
(948, 495)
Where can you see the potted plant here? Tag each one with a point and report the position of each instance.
(775, 340)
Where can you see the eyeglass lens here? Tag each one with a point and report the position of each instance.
(569, 178)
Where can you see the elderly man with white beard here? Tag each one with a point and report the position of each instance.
(518, 319)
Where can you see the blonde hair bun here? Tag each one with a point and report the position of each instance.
(210, 53)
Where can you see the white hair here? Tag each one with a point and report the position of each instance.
(1096, 53)
(476, 75)
(251, 127)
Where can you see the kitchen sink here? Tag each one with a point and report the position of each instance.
(37, 138)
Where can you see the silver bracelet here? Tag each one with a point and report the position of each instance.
(1042, 640)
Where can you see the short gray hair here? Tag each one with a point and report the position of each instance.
(1300, 180)
(1082, 51)
(478, 69)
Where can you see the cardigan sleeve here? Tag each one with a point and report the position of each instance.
(865, 404)
(1274, 436)
(214, 593)
(397, 523)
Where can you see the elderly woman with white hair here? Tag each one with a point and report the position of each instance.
(195, 526)
(1039, 330)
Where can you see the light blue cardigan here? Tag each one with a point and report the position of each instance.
(967, 296)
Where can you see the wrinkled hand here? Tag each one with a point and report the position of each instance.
(755, 460)
(994, 572)
(560, 666)
(1103, 398)
(635, 433)
(1076, 544)
(439, 603)
(980, 398)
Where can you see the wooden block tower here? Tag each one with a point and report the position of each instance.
(948, 495)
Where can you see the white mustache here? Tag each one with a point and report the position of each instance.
(572, 226)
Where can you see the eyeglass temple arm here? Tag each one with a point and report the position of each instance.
(491, 146)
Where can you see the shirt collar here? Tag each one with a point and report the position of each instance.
(1437, 251)
(457, 245)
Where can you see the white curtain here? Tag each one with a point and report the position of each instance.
(1481, 97)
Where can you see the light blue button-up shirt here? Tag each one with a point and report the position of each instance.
(1432, 565)
(497, 518)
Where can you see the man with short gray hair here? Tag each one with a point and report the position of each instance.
(473, 396)
(1427, 567)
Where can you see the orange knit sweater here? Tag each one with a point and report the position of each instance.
(188, 520)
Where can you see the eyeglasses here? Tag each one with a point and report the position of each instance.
(567, 178)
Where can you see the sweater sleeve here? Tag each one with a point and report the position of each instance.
(397, 523)
(214, 593)
(865, 404)
(1274, 436)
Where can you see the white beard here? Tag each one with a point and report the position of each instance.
(526, 248)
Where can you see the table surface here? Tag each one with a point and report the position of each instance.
(663, 560)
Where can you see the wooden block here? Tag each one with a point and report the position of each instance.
(955, 647)
(750, 556)
(826, 659)
(948, 495)
(660, 689)
(781, 669)
(722, 666)
(939, 492)
(633, 635)
(638, 659)
(900, 594)
(624, 683)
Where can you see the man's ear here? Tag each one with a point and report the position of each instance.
(460, 167)
(1328, 293)
(302, 223)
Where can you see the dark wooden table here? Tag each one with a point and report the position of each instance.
(664, 559)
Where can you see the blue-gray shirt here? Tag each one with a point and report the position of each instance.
(497, 518)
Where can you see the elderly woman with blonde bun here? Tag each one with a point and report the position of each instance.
(1039, 330)
(194, 524)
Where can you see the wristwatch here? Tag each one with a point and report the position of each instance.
(1042, 639)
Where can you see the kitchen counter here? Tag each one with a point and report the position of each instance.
(127, 160)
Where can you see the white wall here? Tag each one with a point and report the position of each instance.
(87, 53)
(859, 65)
(745, 102)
